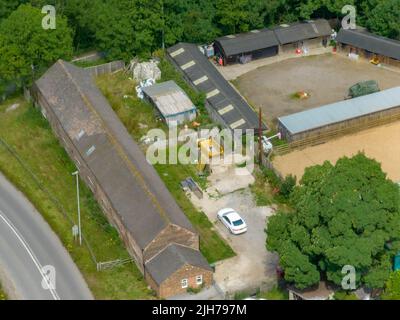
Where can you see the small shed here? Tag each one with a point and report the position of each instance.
(171, 102)
(248, 46)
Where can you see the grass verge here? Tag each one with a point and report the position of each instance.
(31, 137)
(3, 296)
(275, 293)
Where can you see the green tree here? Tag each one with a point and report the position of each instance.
(342, 215)
(240, 15)
(25, 44)
(384, 19)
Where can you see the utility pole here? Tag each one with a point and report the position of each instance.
(163, 26)
(260, 150)
(76, 174)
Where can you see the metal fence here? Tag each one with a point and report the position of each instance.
(110, 67)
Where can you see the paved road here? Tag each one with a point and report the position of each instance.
(27, 247)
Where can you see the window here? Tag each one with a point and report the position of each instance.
(184, 283)
(199, 280)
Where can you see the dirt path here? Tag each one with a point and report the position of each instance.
(381, 143)
(326, 78)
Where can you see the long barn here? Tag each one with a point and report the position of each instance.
(128, 189)
(357, 112)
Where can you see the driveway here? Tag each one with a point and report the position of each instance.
(31, 254)
(253, 266)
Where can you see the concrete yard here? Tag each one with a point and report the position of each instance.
(380, 143)
(253, 266)
(326, 78)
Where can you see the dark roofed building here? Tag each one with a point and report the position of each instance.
(305, 34)
(254, 44)
(368, 45)
(225, 104)
(130, 192)
(166, 268)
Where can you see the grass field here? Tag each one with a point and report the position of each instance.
(3, 296)
(138, 118)
(30, 136)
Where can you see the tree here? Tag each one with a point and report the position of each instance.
(392, 288)
(24, 44)
(8, 6)
(342, 215)
(240, 15)
(384, 19)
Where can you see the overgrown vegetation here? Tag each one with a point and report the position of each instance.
(25, 130)
(392, 287)
(3, 296)
(268, 188)
(126, 28)
(276, 293)
(344, 295)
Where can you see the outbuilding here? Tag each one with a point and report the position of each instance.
(245, 47)
(128, 189)
(303, 35)
(369, 46)
(361, 112)
(172, 103)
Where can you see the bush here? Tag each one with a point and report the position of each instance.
(287, 186)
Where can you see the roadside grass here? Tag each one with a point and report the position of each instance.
(3, 295)
(25, 130)
(138, 117)
(275, 293)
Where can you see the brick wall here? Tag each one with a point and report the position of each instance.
(173, 285)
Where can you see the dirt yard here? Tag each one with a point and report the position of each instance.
(326, 78)
(253, 266)
(381, 144)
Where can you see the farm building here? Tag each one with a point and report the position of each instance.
(340, 116)
(303, 35)
(171, 101)
(225, 105)
(368, 45)
(246, 46)
(128, 189)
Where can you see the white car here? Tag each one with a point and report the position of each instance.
(232, 220)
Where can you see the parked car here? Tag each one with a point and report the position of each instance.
(232, 220)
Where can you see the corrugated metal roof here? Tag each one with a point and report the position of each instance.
(341, 111)
(247, 42)
(363, 39)
(303, 31)
(169, 98)
(182, 53)
(171, 259)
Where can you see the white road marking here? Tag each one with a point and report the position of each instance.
(31, 254)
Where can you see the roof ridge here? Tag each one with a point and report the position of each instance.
(120, 149)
